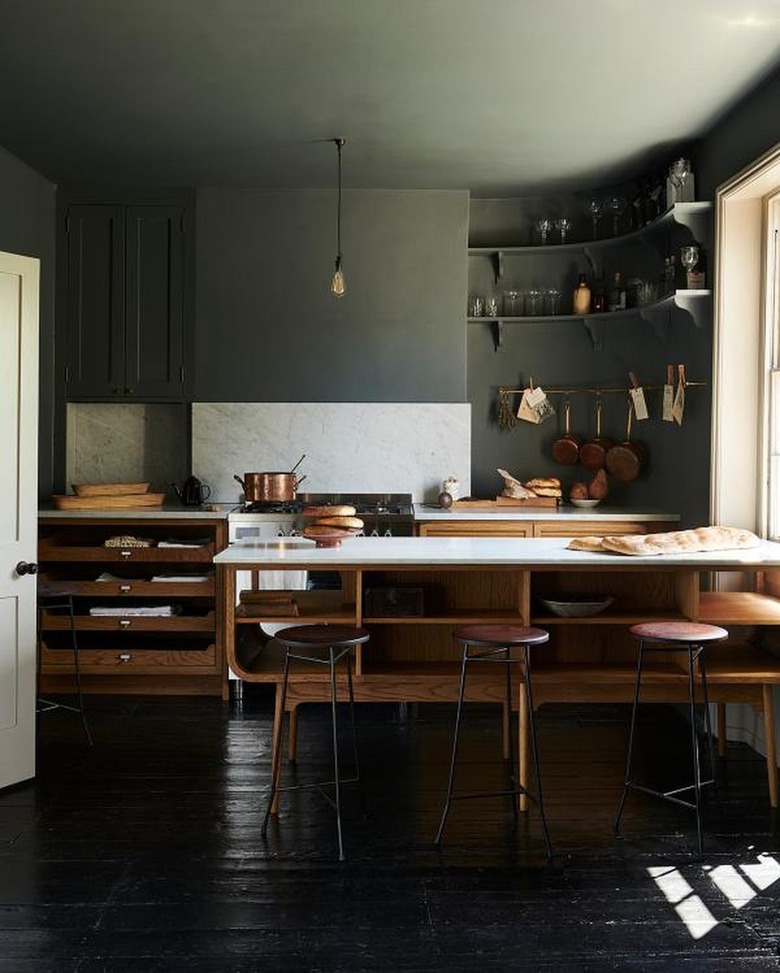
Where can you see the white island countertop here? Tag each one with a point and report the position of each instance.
(562, 513)
(521, 552)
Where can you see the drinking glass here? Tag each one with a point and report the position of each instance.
(563, 226)
(544, 226)
(476, 306)
(552, 299)
(492, 306)
(617, 206)
(680, 172)
(534, 303)
(689, 257)
(595, 209)
(513, 304)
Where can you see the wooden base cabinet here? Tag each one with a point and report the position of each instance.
(146, 617)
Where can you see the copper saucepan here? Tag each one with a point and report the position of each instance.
(566, 448)
(593, 453)
(626, 460)
(270, 487)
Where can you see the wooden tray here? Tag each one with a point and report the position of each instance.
(504, 503)
(108, 489)
(125, 501)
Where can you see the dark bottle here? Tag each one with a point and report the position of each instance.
(616, 301)
(598, 298)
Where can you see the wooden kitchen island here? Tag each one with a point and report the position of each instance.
(410, 592)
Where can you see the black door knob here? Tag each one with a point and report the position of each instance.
(25, 567)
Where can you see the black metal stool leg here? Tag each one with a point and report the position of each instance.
(535, 748)
(630, 751)
(77, 670)
(276, 763)
(514, 796)
(695, 746)
(336, 778)
(454, 754)
(355, 747)
(708, 727)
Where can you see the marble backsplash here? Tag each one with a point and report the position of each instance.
(350, 447)
(126, 443)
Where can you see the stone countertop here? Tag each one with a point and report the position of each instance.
(545, 553)
(176, 511)
(563, 512)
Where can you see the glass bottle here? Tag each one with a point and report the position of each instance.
(581, 298)
(617, 294)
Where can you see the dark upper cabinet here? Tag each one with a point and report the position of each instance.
(124, 301)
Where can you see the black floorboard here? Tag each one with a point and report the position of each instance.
(145, 853)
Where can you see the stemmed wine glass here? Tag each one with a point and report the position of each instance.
(617, 206)
(595, 209)
(679, 171)
(544, 226)
(689, 257)
(563, 226)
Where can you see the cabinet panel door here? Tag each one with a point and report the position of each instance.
(154, 305)
(94, 300)
(585, 528)
(475, 528)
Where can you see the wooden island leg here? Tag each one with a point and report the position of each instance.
(276, 766)
(523, 749)
(721, 730)
(292, 743)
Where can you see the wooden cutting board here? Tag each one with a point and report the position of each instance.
(505, 504)
(108, 489)
(125, 501)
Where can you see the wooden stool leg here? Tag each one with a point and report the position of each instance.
(292, 742)
(523, 748)
(276, 762)
(721, 718)
(769, 742)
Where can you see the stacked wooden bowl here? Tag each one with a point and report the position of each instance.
(329, 525)
(108, 496)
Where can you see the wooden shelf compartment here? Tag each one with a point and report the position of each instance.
(320, 606)
(455, 597)
(738, 608)
(101, 651)
(131, 587)
(203, 554)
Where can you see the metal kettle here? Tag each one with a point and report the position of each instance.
(192, 492)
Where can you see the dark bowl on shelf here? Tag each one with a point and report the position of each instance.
(577, 606)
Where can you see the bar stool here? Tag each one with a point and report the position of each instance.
(493, 644)
(337, 641)
(50, 596)
(689, 637)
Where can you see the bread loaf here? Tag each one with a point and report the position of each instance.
(354, 523)
(333, 510)
(545, 486)
(673, 542)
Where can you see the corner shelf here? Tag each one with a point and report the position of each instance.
(696, 303)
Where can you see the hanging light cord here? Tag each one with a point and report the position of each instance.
(339, 144)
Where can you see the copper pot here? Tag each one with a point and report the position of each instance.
(593, 453)
(270, 487)
(566, 449)
(626, 460)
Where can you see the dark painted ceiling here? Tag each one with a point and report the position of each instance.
(496, 96)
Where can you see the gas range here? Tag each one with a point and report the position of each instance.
(384, 515)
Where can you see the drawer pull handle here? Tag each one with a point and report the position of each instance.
(125, 657)
(125, 587)
(125, 622)
(125, 553)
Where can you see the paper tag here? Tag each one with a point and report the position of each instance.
(540, 404)
(679, 404)
(640, 406)
(667, 414)
(525, 411)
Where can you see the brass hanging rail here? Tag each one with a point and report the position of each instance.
(507, 417)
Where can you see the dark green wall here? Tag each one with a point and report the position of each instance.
(744, 134)
(27, 205)
(268, 328)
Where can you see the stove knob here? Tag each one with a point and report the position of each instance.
(388, 533)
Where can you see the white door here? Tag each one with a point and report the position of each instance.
(18, 512)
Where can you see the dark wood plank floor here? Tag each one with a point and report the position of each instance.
(145, 854)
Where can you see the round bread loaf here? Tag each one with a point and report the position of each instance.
(322, 530)
(334, 510)
(354, 523)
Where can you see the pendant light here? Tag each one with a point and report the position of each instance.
(338, 285)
